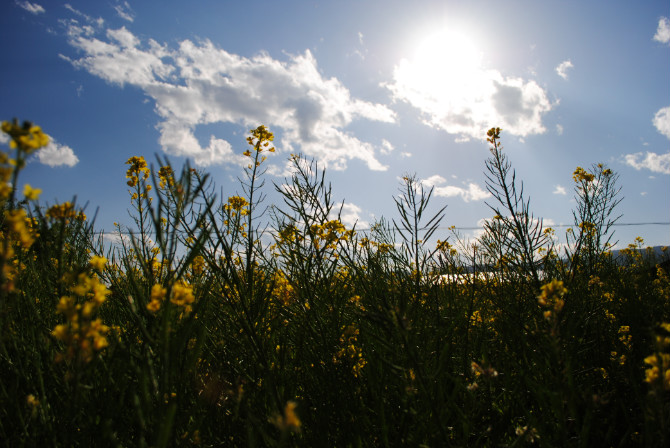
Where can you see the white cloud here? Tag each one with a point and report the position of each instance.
(662, 121)
(560, 190)
(125, 11)
(199, 83)
(55, 154)
(658, 163)
(472, 192)
(4, 138)
(663, 31)
(466, 99)
(98, 22)
(32, 8)
(351, 215)
(387, 147)
(559, 129)
(563, 68)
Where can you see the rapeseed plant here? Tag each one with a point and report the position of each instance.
(194, 329)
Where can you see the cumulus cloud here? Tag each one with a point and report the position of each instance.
(563, 68)
(198, 83)
(663, 31)
(662, 121)
(32, 8)
(466, 99)
(351, 215)
(658, 163)
(472, 192)
(55, 154)
(560, 190)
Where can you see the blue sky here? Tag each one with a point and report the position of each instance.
(373, 90)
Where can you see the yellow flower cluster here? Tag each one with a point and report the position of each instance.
(21, 227)
(658, 372)
(27, 138)
(198, 265)
(82, 335)
(165, 176)
(7, 166)
(30, 193)
(282, 291)
(181, 296)
(65, 212)
(289, 421)
(330, 232)
(237, 204)
(588, 228)
(259, 139)
(493, 134)
(581, 175)
(157, 298)
(445, 248)
(138, 170)
(289, 234)
(551, 297)
(349, 351)
(381, 248)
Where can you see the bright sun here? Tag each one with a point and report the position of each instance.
(446, 65)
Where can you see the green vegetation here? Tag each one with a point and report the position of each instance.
(222, 323)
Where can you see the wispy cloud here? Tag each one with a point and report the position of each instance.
(125, 11)
(387, 147)
(198, 83)
(32, 8)
(663, 31)
(560, 190)
(563, 68)
(471, 192)
(98, 22)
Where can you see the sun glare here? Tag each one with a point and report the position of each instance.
(445, 63)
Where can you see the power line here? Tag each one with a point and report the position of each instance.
(619, 224)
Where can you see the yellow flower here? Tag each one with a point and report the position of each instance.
(157, 297)
(182, 295)
(98, 262)
(27, 138)
(237, 204)
(32, 401)
(60, 332)
(581, 175)
(290, 420)
(552, 297)
(31, 193)
(166, 176)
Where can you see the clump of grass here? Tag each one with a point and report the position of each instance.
(221, 321)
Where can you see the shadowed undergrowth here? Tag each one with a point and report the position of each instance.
(229, 322)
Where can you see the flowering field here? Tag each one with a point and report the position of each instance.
(230, 323)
